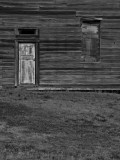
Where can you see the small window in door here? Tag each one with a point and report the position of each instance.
(91, 40)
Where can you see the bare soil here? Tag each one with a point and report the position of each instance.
(37, 125)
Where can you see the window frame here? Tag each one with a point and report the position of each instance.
(26, 38)
(92, 20)
(17, 33)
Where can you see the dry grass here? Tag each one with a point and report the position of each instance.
(59, 125)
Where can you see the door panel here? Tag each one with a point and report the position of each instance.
(26, 63)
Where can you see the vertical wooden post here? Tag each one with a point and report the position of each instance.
(16, 63)
(37, 63)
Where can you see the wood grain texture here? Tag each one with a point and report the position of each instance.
(60, 41)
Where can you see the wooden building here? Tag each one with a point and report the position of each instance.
(61, 44)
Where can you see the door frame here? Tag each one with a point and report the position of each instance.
(30, 40)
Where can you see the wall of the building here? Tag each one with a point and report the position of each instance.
(60, 41)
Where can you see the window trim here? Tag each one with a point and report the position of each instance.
(17, 33)
(98, 20)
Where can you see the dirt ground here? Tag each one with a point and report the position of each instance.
(41, 125)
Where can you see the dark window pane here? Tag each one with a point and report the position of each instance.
(27, 31)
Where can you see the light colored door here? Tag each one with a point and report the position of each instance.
(26, 63)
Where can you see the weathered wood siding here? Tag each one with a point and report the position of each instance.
(60, 44)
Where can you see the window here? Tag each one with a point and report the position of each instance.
(90, 40)
(26, 32)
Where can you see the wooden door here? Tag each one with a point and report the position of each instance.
(26, 63)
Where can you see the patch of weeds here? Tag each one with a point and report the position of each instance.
(110, 104)
(14, 114)
(115, 155)
(11, 148)
(7, 109)
(10, 93)
(111, 115)
(87, 122)
(17, 121)
(56, 156)
(18, 151)
(100, 158)
(25, 98)
(19, 95)
(100, 118)
(46, 97)
(25, 148)
(15, 147)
